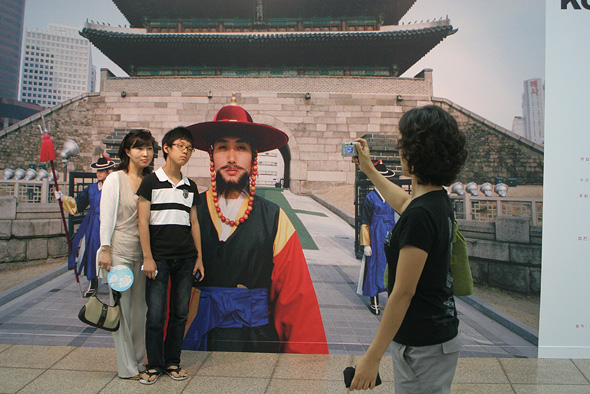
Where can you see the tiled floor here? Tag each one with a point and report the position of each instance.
(69, 369)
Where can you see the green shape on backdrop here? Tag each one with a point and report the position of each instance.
(276, 195)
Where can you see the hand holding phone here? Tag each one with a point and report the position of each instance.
(349, 375)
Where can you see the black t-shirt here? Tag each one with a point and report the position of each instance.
(427, 224)
(170, 225)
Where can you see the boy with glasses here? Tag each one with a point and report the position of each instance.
(171, 242)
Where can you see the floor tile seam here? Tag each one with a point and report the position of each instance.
(541, 384)
(578, 368)
(8, 346)
(487, 384)
(32, 380)
(207, 357)
(115, 376)
(64, 356)
(272, 374)
(506, 375)
(299, 379)
(50, 368)
(191, 377)
(55, 368)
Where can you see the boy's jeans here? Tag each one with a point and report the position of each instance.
(180, 272)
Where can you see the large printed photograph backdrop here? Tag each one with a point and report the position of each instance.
(482, 67)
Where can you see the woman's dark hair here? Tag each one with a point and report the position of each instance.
(177, 133)
(137, 138)
(432, 145)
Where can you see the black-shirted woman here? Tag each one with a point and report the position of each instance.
(420, 316)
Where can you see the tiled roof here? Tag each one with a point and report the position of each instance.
(138, 11)
(397, 45)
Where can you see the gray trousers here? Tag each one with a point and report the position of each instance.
(130, 337)
(425, 369)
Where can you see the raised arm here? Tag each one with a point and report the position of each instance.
(395, 196)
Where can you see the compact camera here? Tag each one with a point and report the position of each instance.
(349, 149)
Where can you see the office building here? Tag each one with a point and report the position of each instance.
(56, 66)
(533, 110)
(11, 30)
(12, 14)
(518, 126)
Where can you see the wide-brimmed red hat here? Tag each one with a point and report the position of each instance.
(235, 121)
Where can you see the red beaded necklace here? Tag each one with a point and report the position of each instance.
(252, 190)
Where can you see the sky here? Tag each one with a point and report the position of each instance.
(499, 44)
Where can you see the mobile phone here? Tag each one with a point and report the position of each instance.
(349, 149)
(198, 276)
(155, 273)
(349, 375)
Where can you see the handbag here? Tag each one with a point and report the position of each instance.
(460, 269)
(100, 315)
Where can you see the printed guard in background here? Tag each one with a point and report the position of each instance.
(88, 235)
(257, 294)
(378, 219)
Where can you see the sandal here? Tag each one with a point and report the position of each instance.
(175, 369)
(150, 373)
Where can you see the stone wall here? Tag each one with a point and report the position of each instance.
(79, 118)
(494, 151)
(26, 239)
(505, 254)
(338, 109)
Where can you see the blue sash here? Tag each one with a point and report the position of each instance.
(226, 307)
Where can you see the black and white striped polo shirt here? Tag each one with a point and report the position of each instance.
(170, 225)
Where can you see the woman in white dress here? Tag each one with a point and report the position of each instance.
(119, 236)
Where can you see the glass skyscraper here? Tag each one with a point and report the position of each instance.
(533, 110)
(12, 15)
(57, 65)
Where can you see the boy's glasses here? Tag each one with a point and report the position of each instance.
(182, 147)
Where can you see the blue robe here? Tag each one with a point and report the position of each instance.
(89, 230)
(380, 217)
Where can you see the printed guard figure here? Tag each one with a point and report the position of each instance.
(88, 235)
(378, 219)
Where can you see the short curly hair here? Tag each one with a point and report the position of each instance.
(432, 145)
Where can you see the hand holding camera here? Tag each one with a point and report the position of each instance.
(349, 149)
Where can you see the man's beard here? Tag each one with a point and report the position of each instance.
(226, 188)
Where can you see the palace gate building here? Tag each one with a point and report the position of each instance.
(323, 71)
